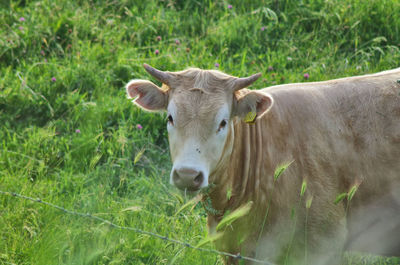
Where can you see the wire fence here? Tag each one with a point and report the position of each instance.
(136, 230)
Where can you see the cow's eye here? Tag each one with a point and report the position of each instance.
(222, 125)
(170, 120)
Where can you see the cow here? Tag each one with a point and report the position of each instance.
(336, 145)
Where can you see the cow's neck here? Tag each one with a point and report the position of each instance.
(238, 176)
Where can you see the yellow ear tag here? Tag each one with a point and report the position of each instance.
(250, 117)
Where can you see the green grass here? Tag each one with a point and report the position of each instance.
(92, 48)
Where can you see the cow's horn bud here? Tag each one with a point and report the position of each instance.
(164, 77)
(245, 81)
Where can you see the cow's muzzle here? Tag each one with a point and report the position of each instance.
(188, 178)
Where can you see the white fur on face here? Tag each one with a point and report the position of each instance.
(195, 146)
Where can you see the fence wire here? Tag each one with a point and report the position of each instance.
(140, 231)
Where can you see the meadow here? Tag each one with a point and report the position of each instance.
(69, 135)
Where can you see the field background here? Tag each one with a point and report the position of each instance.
(69, 135)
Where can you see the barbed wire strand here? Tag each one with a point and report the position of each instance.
(137, 230)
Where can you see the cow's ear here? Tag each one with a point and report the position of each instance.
(148, 95)
(253, 105)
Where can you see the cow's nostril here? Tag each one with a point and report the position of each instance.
(175, 176)
(199, 179)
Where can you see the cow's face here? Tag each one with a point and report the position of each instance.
(198, 125)
(200, 107)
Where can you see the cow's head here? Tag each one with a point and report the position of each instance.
(201, 106)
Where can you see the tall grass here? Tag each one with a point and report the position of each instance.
(69, 135)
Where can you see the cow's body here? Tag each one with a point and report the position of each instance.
(338, 134)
